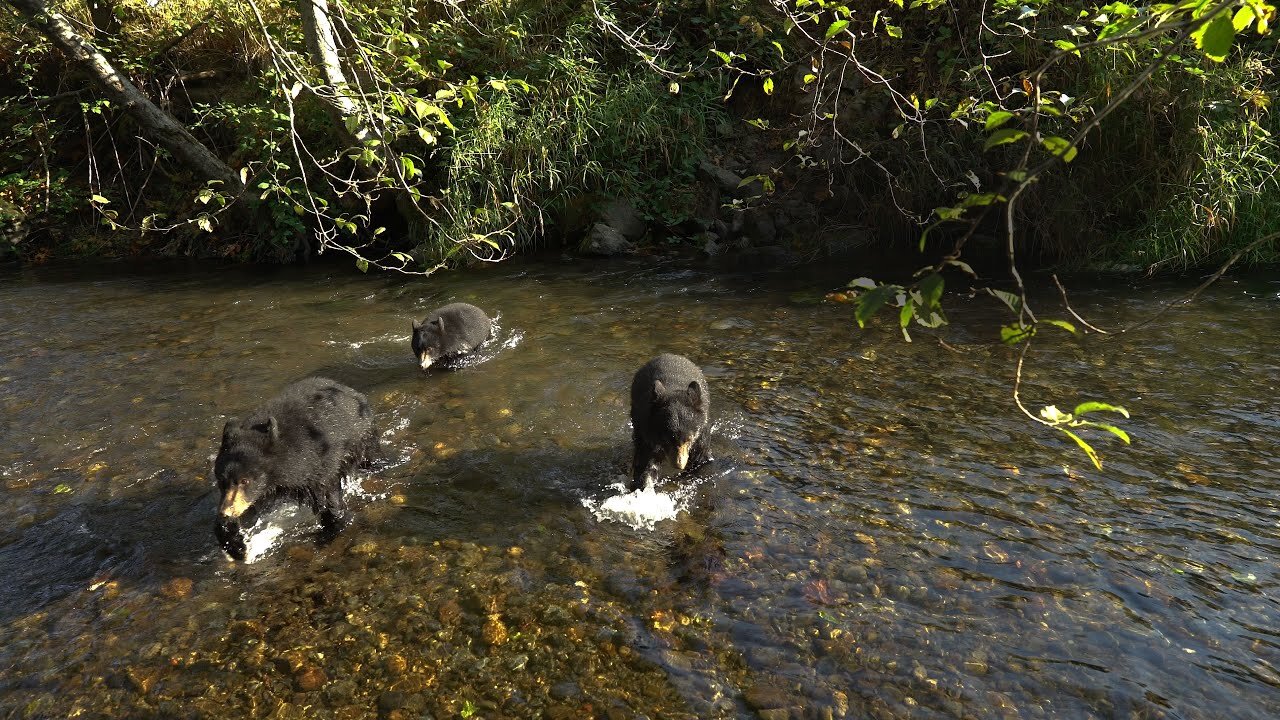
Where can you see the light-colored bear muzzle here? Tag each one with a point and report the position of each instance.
(424, 361)
(682, 454)
(234, 503)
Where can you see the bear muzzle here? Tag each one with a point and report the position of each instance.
(682, 454)
(424, 361)
(234, 503)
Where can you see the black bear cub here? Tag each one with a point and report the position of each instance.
(670, 405)
(296, 447)
(448, 332)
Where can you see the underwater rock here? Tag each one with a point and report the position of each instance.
(178, 588)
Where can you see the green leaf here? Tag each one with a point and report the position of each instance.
(1013, 302)
(836, 27)
(1109, 428)
(1061, 324)
(99, 200)
(1088, 407)
(1214, 38)
(1066, 46)
(931, 290)
(1060, 147)
(904, 318)
(964, 267)
(1243, 18)
(362, 264)
(1014, 334)
(870, 302)
(862, 282)
(998, 118)
(768, 86)
(1088, 450)
(1004, 137)
(893, 30)
(61, 489)
(809, 78)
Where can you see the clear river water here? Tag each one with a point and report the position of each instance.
(881, 535)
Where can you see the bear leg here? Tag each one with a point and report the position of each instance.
(333, 516)
(644, 468)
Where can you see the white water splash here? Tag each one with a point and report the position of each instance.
(261, 540)
(393, 337)
(269, 533)
(291, 523)
(641, 509)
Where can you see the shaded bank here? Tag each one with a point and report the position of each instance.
(419, 135)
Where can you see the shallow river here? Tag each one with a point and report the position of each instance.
(881, 534)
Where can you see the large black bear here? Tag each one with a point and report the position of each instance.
(448, 332)
(297, 447)
(670, 406)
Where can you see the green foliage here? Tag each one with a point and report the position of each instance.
(486, 119)
(1068, 423)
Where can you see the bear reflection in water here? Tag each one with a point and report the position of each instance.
(296, 447)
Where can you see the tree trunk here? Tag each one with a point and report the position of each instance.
(318, 29)
(158, 124)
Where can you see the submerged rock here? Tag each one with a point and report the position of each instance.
(310, 678)
(494, 632)
(177, 588)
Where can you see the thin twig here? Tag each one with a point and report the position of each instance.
(1202, 286)
(1072, 310)
(1017, 385)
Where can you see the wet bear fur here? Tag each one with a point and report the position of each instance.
(296, 447)
(449, 332)
(670, 409)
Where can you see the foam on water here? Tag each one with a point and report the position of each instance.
(640, 509)
(272, 531)
(290, 523)
(261, 540)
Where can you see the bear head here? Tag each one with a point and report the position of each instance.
(244, 468)
(678, 415)
(429, 341)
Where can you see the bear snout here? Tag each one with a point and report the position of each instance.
(424, 361)
(682, 453)
(235, 501)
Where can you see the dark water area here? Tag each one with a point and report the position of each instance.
(881, 535)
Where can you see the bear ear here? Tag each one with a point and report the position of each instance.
(658, 390)
(439, 323)
(229, 429)
(416, 325)
(695, 395)
(273, 429)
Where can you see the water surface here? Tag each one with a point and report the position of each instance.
(882, 534)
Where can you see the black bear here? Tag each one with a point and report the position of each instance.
(670, 405)
(448, 332)
(297, 447)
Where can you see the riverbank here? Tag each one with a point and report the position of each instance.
(724, 128)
